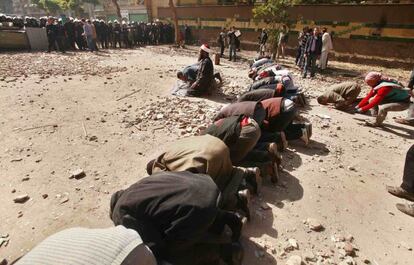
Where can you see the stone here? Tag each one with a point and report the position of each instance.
(294, 260)
(21, 199)
(349, 249)
(45, 195)
(406, 246)
(291, 244)
(77, 174)
(309, 256)
(314, 225)
(351, 168)
(64, 200)
(93, 138)
(348, 261)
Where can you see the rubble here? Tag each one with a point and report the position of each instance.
(15, 65)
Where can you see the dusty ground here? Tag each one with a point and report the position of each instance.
(63, 112)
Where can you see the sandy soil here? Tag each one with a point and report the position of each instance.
(63, 112)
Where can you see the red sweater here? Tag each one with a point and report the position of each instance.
(379, 94)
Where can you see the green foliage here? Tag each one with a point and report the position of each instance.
(274, 12)
(53, 6)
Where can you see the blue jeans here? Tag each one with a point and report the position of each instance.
(310, 65)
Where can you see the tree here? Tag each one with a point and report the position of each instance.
(50, 6)
(118, 10)
(274, 12)
(174, 15)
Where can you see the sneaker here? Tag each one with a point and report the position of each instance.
(406, 208)
(400, 193)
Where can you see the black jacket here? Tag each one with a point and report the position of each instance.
(318, 45)
(171, 211)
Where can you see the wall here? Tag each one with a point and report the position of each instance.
(370, 32)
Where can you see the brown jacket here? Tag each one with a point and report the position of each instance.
(198, 154)
(247, 108)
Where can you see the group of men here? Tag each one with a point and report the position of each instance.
(386, 94)
(232, 38)
(195, 188)
(313, 45)
(82, 34)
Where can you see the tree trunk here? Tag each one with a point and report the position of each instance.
(148, 6)
(118, 10)
(174, 15)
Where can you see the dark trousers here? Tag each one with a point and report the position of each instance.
(310, 65)
(408, 178)
(221, 49)
(298, 54)
(52, 43)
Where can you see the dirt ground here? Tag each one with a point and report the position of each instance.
(109, 113)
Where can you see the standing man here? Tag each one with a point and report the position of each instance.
(187, 34)
(313, 49)
(232, 43)
(88, 33)
(262, 42)
(61, 36)
(221, 41)
(283, 39)
(51, 32)
(410, 115)
(326, 48)
(70, 32)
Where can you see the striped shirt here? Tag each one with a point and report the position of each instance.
(83, 246)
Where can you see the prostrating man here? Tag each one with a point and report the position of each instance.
(275, 117)
(108, 246)
(204, 82)
(410, 115)
(313, 49)
(406, 190)
(385, 95)
(178, 216)
(241, 134)
(208, 155)
(340, 95)
(262, 94)
(189, 74)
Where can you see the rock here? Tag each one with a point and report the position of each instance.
(19, 214)
(309, 256)
(64, 200)
(349, 249)
(77, 174)
(406, 246)
(294, 260)
(25, 178)
(93, 138)
(314, 224)
(291, 244)
(21, 199)
(351, 168)
(4, 262)
(44, 196)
